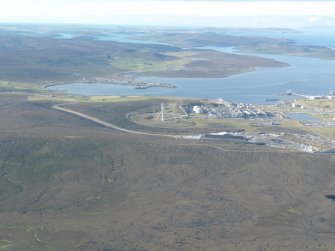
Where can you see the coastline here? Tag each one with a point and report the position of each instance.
(134, 84)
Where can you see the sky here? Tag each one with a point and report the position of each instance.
(203, 13)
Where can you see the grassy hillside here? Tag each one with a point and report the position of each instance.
(244, 43)
(69, 184)
(43, 59)
(130, 194)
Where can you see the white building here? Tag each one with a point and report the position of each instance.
(197, 109)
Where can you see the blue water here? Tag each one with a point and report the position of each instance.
(304, 36)
(65, 35)
(115, 37)
(308, 76)
(217, 48)
(303, 117)
(304, 75)
(127, 38)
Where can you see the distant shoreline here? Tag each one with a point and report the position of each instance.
(134, 84)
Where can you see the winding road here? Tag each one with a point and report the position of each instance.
(110, 125)
(60, 107)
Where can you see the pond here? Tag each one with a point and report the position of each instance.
(303, 117)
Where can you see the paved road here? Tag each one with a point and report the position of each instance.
(110, 125)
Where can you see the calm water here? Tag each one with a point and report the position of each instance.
(128, 38)
(306, 36)
(65, 36)
(303, 117)
(304, 75)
